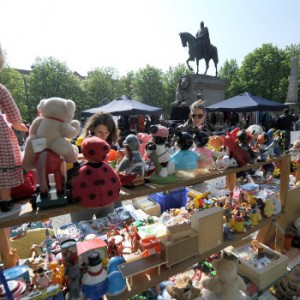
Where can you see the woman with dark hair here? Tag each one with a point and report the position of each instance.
(103, 126)
(196, 117)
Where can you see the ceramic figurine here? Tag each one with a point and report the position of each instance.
(94, 282)
(160, 153)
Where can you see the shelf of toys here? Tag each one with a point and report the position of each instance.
(144, 278)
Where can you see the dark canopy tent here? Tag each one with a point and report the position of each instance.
(124, 106)
(246, 103)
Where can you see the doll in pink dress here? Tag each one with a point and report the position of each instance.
(11, 174)
(205, 161)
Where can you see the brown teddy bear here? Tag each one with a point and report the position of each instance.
(227, 285)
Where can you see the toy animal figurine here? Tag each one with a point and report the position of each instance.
(95, 184)
(232, 148)
(94, 282)
(205, 161)
(227, 285)
(184, 159)
(227, 161)
(132, 163)
(160, 154)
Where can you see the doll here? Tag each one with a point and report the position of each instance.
(205, 161)
(185, 159)
(11, 174)
(132, 163)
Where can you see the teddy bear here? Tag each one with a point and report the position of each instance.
(95, 183)
(227, 285)
(51, 129)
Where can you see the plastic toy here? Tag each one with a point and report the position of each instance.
(225, 162)
(95, 184)
(160, 154)
(144, 139)
(233, 149)
(184, 159)
(94, 282)
(227, 285)
(132, 163)
(201, 139)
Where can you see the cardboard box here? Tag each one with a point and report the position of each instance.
(148, 205)
(209, 225)
(263, 271)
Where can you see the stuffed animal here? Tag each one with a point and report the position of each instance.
(51, 129)
(95, 184)
(227, 285)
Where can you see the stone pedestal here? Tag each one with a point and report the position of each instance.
(292, 94)
(212, 88)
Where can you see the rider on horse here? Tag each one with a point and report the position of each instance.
(202, 36)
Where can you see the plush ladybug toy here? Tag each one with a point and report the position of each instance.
(95, 184)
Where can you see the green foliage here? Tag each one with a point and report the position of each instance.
(264, 72)
(148, 87)
(14, 82)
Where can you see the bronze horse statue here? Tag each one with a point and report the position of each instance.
(187, 39)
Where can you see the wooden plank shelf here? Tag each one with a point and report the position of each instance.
(140, 282)
(28, 215)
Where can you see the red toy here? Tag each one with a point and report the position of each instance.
(232, 148)
(95, 184)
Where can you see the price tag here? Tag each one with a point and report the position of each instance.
(39, 145)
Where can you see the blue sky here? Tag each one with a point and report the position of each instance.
(129, 34)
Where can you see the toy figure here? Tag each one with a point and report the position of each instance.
(144, 139)
(11, 174)
(132, 163)
(205, 161)
(47, 245)
(232, 148)
(41, 280)
(160, 154)
(95, 184)
(184, 159)
(94, 282)
(226, 162)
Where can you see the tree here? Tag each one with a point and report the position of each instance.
(230, 74)
(51, 78)
(262, 73)
(14, 82)
(102, 83)
(148, 87)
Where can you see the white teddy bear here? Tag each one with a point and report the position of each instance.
(51, 129)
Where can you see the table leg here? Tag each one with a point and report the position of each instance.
(5, 247)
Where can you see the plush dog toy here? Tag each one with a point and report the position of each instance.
(50, 130)
(227, 285)
(95, 184)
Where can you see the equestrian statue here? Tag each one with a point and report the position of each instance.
(200, 48)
